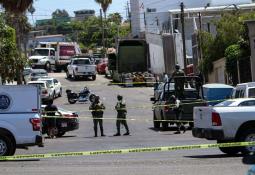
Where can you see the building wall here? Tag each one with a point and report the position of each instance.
(156, 53)
(218, 75)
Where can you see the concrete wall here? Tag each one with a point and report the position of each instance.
(156, 53)
(219, 72)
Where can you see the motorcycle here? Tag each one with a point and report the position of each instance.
(83, 96)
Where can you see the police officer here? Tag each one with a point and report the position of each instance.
(97, 108)
(50, 123)
(177, 108)
(179, 80)
(121, 115)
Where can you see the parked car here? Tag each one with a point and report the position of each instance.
(229, 121)
(244, 90)
(37, 73)
(216, 93)
(97, 57)
(101, 66)
(54, 84)
(46, 89)
(66, 121)
(81, 67)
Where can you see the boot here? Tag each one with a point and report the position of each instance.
(126, 134)
(95, 130)
(117, 134)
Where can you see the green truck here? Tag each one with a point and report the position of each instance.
(129, 65)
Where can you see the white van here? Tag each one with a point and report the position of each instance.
(244, 90)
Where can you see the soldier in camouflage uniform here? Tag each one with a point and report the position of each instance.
(179, 80)
(121, 115)
(97, 113)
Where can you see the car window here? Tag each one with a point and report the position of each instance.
(239, 93)
(81, 61)
(251, 92)
(41, 85)
(248, 103)
(225, 103)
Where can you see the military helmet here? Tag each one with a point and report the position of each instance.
(96, 99)
(177, 66)
(119, 97)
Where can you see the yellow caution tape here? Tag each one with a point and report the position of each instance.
(125, 151)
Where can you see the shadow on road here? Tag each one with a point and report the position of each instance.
(249, 160)
(172, 128)
(215, 156)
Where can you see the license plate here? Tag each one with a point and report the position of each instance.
(63, 125)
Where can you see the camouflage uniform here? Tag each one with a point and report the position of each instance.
(121, 116)
(97, 112)
(178, 113)
(179, 81)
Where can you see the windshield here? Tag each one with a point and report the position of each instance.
(41, 85)
(39, 74)
(225, 103)
(81, 61)
(41, 52)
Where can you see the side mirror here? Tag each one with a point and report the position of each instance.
(51, 86)
(153, 99)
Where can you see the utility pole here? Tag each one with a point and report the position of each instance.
(183, 37)
(102, 26)
(129, 16)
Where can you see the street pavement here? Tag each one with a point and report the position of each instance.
(193, 162)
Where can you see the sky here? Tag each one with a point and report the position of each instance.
(44, 8)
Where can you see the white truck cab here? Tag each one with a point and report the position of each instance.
(244, 90)
(43, 58)
(20, 122)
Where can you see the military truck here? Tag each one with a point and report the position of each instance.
(192, 97)
(130, 64)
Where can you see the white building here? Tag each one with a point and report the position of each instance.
(159, 22)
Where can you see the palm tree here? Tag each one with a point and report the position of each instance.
(104, 5)
(16, 8)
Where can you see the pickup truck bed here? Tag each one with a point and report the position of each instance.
(226, 124)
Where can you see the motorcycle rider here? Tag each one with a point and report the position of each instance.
(121, 115)
(97, 112)
(177, 108)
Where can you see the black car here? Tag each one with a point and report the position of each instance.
(65, 121)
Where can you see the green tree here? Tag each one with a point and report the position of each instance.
(7, 51)
(231, 32)
(115, 17)
(104, 5)
(16, 8)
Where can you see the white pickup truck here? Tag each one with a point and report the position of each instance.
(81, 67)
(20, 122)
(230, 121)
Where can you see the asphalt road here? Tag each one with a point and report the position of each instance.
(194, 162)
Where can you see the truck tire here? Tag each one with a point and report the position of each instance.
(94, 77)
(47, 67)
(68, 75)
(229, 150)
(156, 124)
(60, 93)
(74, 76)
(164, 123)
(247, 135)
(60, 134)
(7, 145)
